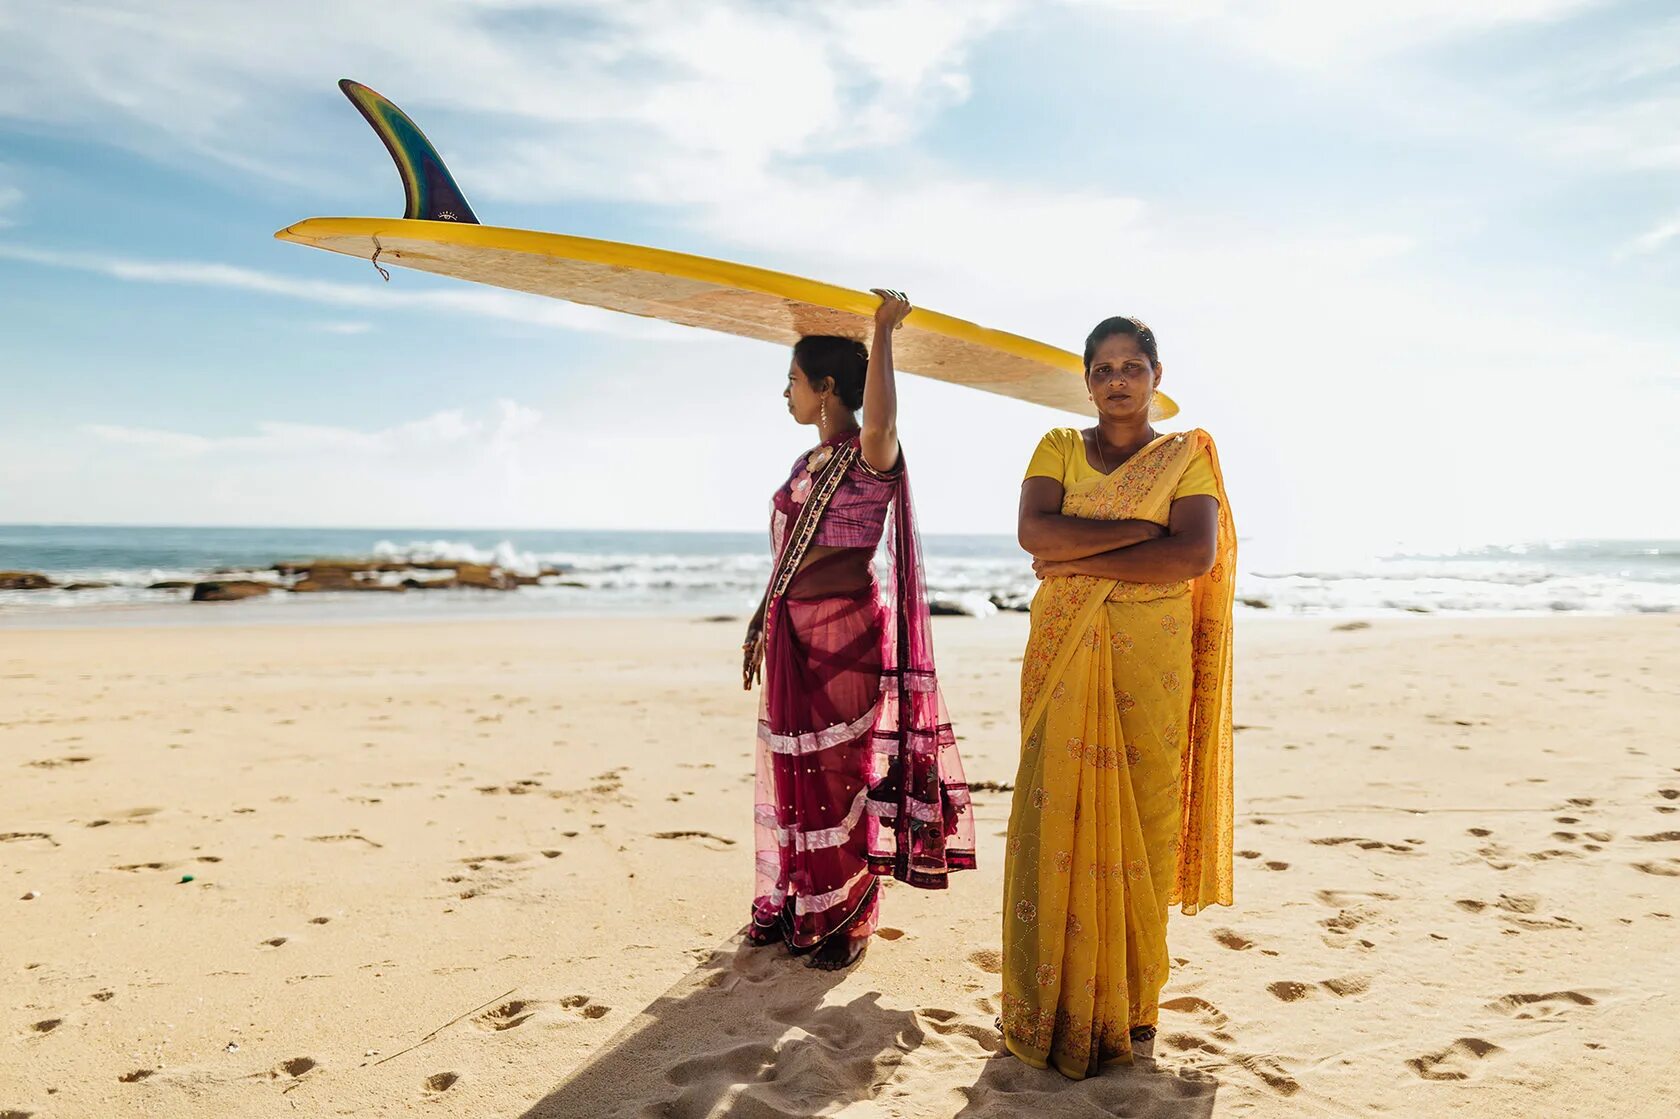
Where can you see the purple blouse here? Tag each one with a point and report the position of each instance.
(856, 515)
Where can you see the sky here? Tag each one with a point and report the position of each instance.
(1414, 266)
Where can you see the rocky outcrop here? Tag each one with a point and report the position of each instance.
(309, 568)
(230, 590)
(482, 577)
(24, 581)
(310, 576)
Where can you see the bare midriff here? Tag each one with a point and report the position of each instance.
(827, 571)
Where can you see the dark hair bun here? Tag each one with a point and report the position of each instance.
(845, 361)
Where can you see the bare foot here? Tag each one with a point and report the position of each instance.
(838, 953)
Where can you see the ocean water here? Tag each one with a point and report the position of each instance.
(724, 573)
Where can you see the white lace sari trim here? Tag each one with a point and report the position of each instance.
(821, 739)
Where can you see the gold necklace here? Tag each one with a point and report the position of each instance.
(1096, 441)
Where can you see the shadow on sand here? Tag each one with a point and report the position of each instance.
(1141, 1090)
(746, 1035)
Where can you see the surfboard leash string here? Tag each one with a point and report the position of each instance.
(377, 267)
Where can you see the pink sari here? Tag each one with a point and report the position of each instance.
(858, 770)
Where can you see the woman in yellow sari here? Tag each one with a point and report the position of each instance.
(1123, 799)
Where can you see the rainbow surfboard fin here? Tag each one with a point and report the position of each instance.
(429, 188)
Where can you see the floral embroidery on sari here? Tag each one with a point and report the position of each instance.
(1135, 814)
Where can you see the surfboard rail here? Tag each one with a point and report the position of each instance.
(705, 292)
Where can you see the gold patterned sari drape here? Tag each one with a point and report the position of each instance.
(1123, 799)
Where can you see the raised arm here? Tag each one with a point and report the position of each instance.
(1187, 551)
(879, 437)
(1044, 531)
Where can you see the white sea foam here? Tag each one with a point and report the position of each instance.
(606, 572)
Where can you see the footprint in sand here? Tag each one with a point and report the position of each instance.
(1345, 987)
(1266, 1068)
(345, 837)
(518, 788)
(889, 933)
(947, 1023)
(1351, 914)
(136, 1076)
(476, 862)
(274, 941)
(1365, 844)
(1497, 856)
(1549, 1005)
(1520, 912)
(441, 1081)
(55, 763)
(47, 1025)
(1210, 1014)
(752, 1063)
(716, 842)
(988, 960)
(1458, 1061)
(1229, 938)
(506, 1016)
(585, 1006)
(25, 836)
(1668, 868)
(506, 871)
(103, 996)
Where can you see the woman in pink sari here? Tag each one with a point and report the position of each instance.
(858, 772)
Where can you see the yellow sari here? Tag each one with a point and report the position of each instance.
(1123, 799)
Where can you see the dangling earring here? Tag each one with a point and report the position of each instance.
(823, 404)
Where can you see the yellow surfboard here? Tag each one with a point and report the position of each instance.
(674, 287)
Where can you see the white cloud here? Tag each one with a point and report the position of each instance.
(734, 82)
(499, 464)
(1651, 240)
(1333, 35)
(343, 327)
(10, 199)
(276, 440)
(1637, 134)
(507, 306)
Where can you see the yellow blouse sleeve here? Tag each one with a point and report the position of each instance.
(1050, 459)
(1197, 479)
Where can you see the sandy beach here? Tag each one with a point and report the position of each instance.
(497, 868)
